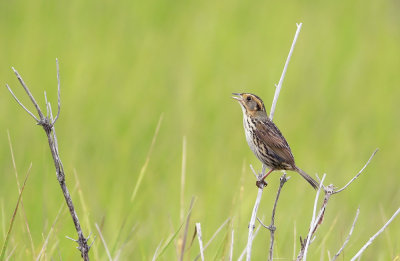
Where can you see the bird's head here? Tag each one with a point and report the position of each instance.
(251, 104)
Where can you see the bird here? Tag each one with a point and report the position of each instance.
(266, 140)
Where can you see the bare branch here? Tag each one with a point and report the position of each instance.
(272, 227)
(260, 190)
(279, 86)
(311, 231)
(47, 124)
(254, 172)
(262, 224)
(245, 250)
(59, 93)
(198, 228)
(358, 174)
(250, 237)
(20, 103)
(358, 255)
(213, 236)
(29, 94)
(348, 236)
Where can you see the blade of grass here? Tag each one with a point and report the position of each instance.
(19, 191)
(183, 175)
(104, 242)
(186, 230)
(139, 181)
(146, 163)
(85, 210)
(3, 218)
(60, 210)
(3, 250)
(128, 237)
(213, 236)
(221, 248)
(172, 237)
(156, 252)
(11, 253)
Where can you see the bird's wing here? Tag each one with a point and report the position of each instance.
(270, 135)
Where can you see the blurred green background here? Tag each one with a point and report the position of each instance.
(124, 63)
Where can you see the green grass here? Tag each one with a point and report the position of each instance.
(125, 63)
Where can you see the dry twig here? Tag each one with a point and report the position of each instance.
(272, 227)
(199, 236)
(212, 237)
(250, 237)
(231, 249)
(47, 122)
(329, 191)
(271, 115)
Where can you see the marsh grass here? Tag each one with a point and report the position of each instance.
(124, 64)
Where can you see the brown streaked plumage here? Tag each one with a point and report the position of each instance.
(265, 139)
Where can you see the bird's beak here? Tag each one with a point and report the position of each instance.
(238, 96)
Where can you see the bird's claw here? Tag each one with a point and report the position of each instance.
(261, 184)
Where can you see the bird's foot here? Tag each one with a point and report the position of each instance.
(261, 183)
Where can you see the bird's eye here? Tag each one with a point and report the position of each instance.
(248, 98)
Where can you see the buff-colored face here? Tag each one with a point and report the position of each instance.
(250, 103)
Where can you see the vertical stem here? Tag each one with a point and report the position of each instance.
(272, 227)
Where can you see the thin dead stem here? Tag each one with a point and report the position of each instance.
(272, 227)
(279, 86)
(47, 122)
(260, 190)
(200, 238)
(212, 237)
(358, 174)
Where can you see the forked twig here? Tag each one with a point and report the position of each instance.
(47, 122)
(272, 227)
(271, 116)
(329, 191)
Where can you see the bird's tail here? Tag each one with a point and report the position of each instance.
(309, 179)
